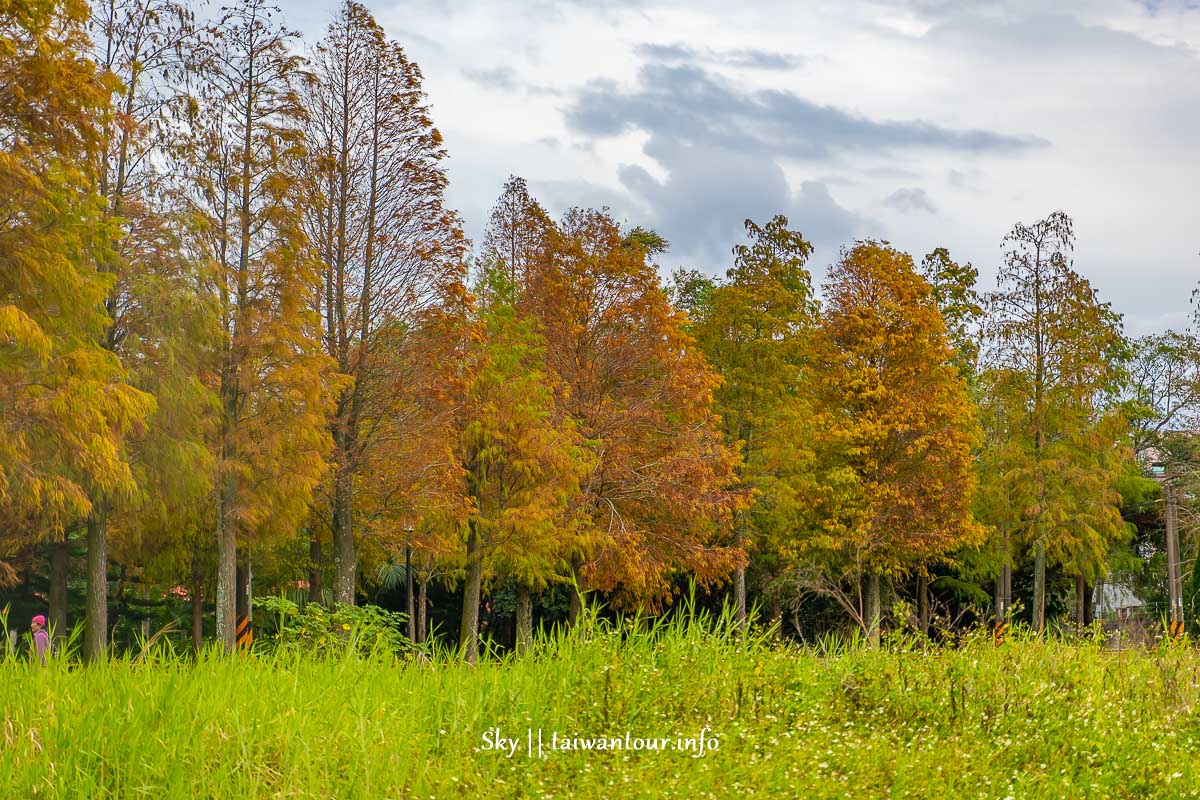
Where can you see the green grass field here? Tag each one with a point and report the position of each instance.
(1030, 719)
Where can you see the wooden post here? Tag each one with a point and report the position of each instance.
(1003, 598)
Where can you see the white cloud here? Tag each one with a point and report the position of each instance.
(1112, 85)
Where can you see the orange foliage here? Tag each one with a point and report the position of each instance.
(641, 397)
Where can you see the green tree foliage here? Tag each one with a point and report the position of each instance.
(521, 460)
(1057, 441)
(959, 303)
(691, 292)
(1163, 388)
(754, 329)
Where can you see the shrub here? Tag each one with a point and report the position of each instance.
(317, 630)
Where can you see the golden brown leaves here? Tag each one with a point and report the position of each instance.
(641, 396)
(893, 426)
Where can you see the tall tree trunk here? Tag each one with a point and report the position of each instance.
(1003, 600)
(242, 603)
(60, 563)
(923, 603)
(408, 595)
(1087, 604)
(1006, 572)
(871, 612)
(422, 607)
(578, 592)
(1080, 602)
(998, 597)
(226, 611)
(524, 618)
(469, 631)
(197, 600)
(345, 559)
(231, 391)
(739, 580)
(316, 564)
(95, 643)
(1039, 587)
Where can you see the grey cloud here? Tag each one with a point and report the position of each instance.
(708, 192)
(704, 198)
(889, 173)
(1045, 33)
(504, 78)
(1070, 49)
(667, 52)
(827, 224)
(559, 195)
(910, 199)
(764, 59)
(969, 180)
(751, 58)
(692, 105)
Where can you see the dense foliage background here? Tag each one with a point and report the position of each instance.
(246, 349)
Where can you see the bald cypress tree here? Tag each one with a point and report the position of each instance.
(384, 242)
(870, 469)
(754, 329)
(66, 406)
(274, 384)
(1051, 363)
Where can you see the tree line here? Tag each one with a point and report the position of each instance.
(241, 331)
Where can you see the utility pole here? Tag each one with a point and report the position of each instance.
(1174, 578)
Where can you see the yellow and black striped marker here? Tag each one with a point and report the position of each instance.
(1000, 631)
(245, 633)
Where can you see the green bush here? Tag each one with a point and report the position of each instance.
(322, 632)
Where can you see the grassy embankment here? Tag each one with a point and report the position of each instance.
(1030, 719)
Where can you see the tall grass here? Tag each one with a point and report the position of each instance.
(1032, 718)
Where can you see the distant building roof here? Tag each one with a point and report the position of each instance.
(1110, 597)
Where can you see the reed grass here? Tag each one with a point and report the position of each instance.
(1033, 718)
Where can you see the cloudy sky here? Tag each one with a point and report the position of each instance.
(923, 122)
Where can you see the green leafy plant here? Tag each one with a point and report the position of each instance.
(323, 632)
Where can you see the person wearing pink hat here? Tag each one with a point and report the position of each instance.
(41, 640)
